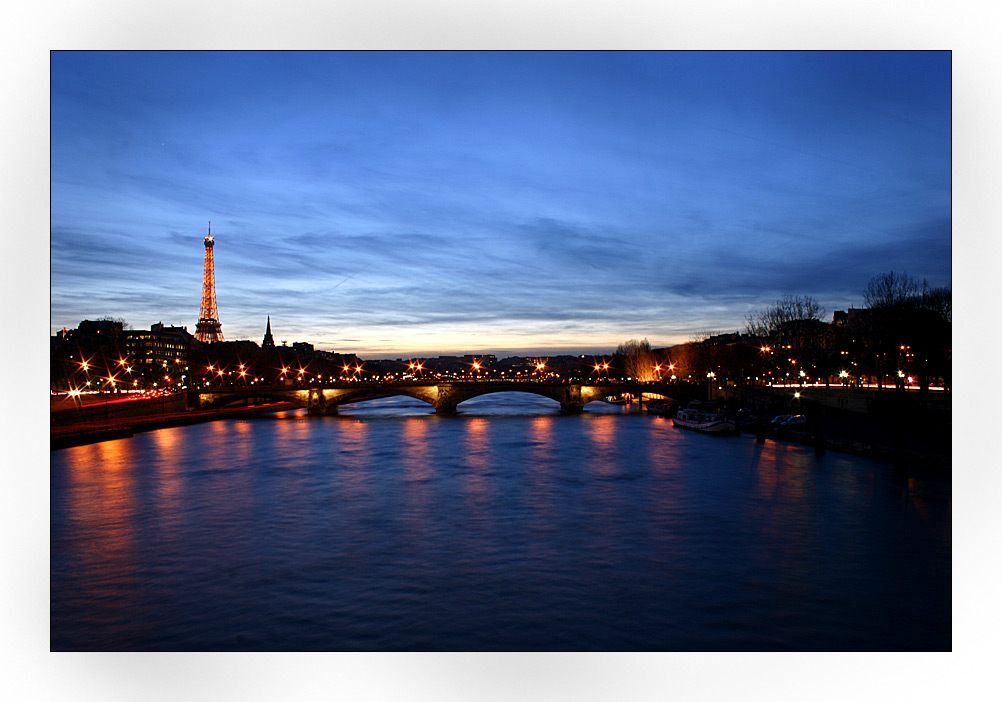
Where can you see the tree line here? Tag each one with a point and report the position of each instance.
(902, 333)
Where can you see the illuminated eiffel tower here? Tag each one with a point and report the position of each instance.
(208, 328)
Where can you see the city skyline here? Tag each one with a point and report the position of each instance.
(394, 203)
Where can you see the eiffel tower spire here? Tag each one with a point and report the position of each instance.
(208, 328)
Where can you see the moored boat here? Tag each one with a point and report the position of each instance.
(706, 422)
(662, 407)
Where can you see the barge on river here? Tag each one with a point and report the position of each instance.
(707, 422)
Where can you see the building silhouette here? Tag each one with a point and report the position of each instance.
(158, 353)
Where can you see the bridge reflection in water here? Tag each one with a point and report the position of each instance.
(443, 396)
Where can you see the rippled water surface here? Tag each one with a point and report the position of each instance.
(508, 527)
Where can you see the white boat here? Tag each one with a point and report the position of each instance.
(707, 422)
(788, 420)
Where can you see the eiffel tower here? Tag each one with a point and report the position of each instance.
(208, 328)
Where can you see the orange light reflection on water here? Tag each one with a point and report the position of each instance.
(475, 480)
(783, 496)
(354, 451)
(103, 513)
(543, 488)
(415, 438)
(170, 486)
(601, 431)
(419, 475)
(541, 434)
(476, 443)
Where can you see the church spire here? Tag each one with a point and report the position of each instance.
(268, 341)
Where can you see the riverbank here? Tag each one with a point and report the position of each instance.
(65, 432)
(862, 443)
(909, 429)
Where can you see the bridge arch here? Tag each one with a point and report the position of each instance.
(445, 397)
(532, 392)
(334, 399)
(220, 400)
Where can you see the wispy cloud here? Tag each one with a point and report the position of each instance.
(536, 199)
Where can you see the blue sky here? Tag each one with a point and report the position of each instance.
(396, 204)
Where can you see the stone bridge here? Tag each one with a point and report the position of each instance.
(443, 396)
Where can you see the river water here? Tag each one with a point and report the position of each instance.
(508, 527)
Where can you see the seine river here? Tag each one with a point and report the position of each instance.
(508, 527)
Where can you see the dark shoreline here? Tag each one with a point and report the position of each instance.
(902, 458)
(83, 433)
